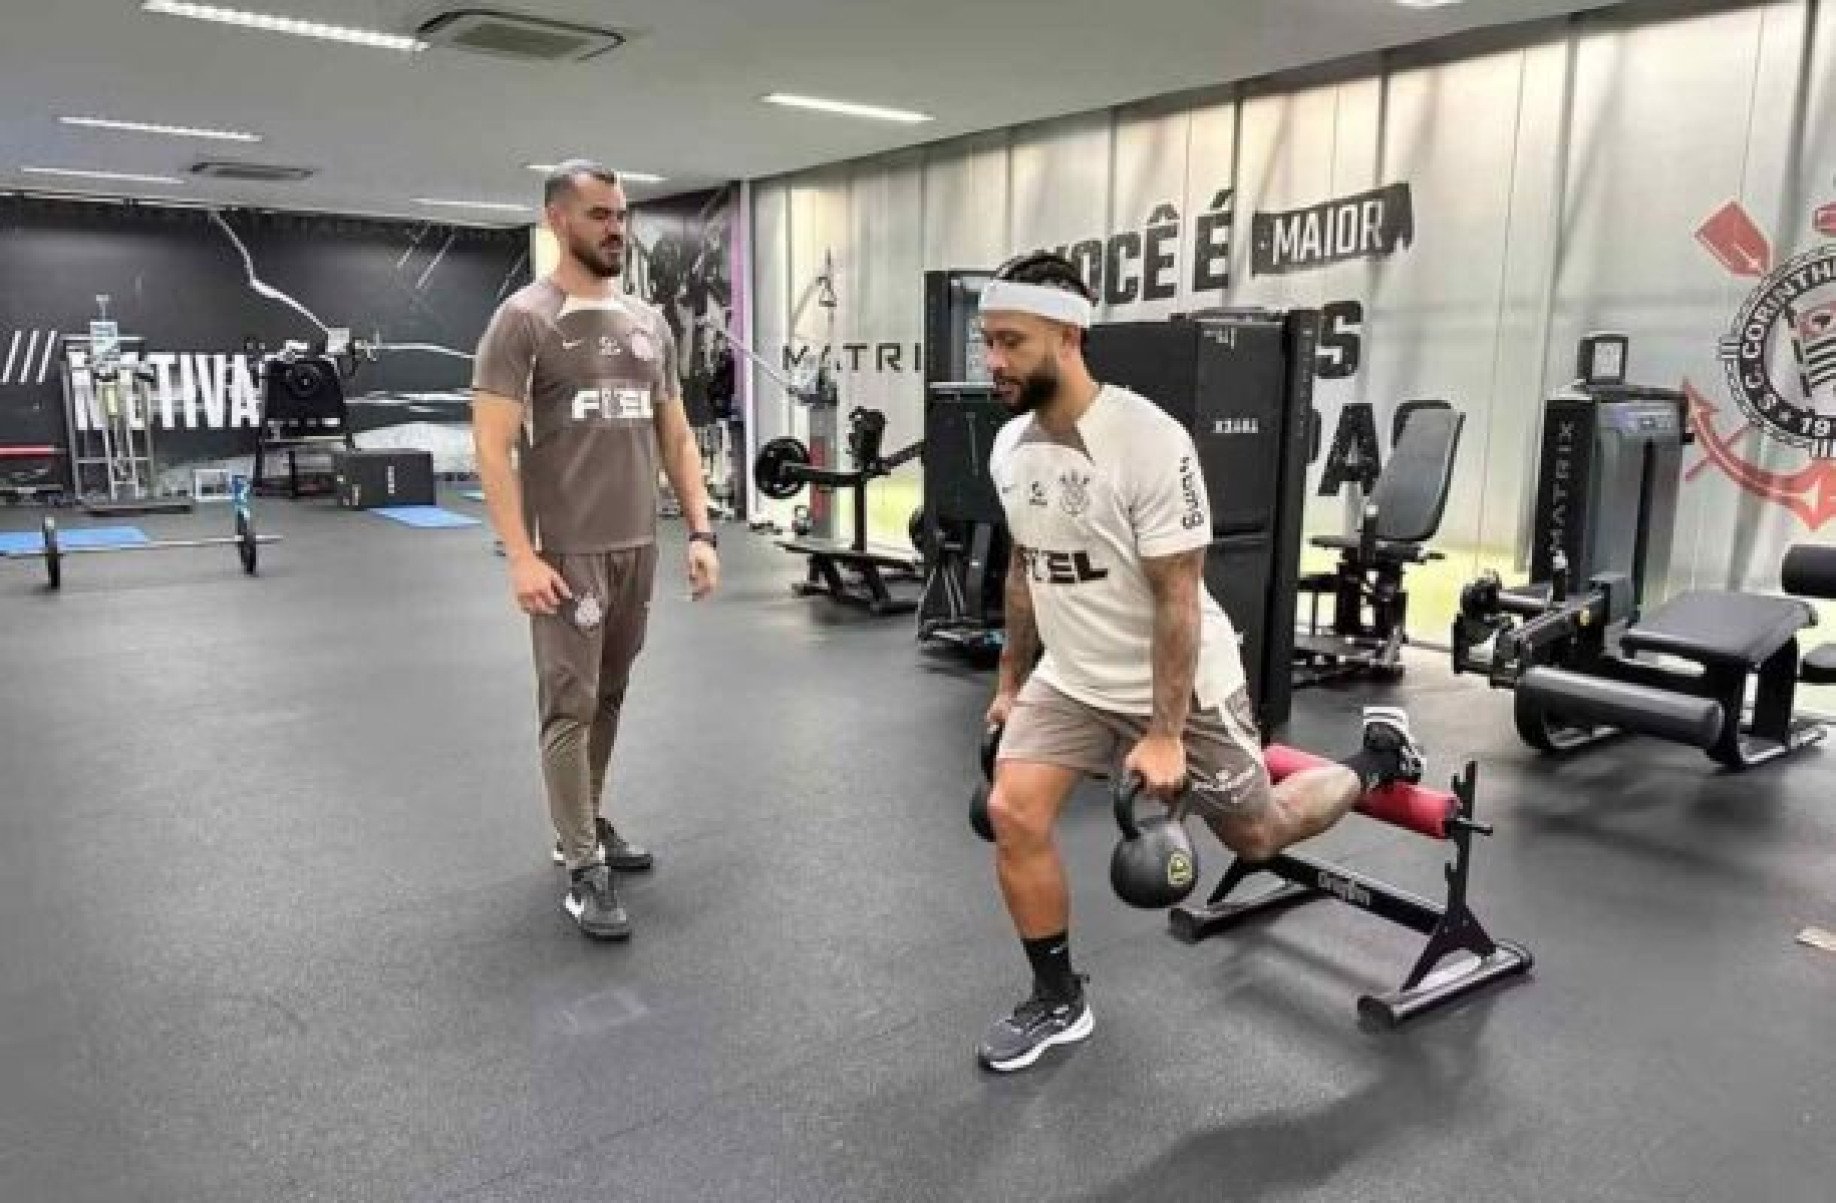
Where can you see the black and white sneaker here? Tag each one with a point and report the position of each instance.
(614, 849)
(1386, 731)
(594, 904)
(1017, 1040)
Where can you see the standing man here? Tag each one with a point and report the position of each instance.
(575, 402)
(1110, 521)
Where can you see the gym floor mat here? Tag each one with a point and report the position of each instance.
(26, 542)
(424, 517)
(822, 941)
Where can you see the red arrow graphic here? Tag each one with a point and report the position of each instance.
(1735, 241)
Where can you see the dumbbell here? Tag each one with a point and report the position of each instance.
(1153, 865)
(979, 822)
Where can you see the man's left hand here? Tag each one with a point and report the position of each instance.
(703, 570)
(1161, 761)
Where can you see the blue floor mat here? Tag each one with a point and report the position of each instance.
(28, 541)
(425, 517)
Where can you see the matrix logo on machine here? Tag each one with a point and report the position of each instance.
(1780, 359)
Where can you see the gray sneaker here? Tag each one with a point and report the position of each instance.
(619, 852)
(1017, 1040)
(594, 904)
(614, 849)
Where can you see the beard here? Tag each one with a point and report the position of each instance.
(603, 259)
(1028, 392)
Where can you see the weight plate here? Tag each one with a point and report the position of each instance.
(768, 471)
(246, 543)
(305, 380)
(54, 557)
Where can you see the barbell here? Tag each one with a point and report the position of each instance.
(246, 542)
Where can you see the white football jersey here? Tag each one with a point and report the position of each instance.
(1084, 510)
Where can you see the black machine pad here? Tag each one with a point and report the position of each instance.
(1810, 571)
(1572, 695)
(1737, 630)
(1819, 666)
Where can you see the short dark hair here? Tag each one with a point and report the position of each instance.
(1048, 268)
(560, 181)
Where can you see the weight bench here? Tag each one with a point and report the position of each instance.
(1729, 638)
(1451, 927)
(1403, 513)
(782, 470)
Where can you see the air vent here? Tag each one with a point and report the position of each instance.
(259, 173)
(512, 35)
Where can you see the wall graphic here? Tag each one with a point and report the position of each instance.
(683, 261)
(200, 286)
(1461, 221)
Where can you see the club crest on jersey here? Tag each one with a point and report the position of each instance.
(643, 346)
(1074, 492)
(1036, 495)
(608, 346)
(588, 613)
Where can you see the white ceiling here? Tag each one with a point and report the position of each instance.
(680, 100)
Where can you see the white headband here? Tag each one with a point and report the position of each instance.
(1037, 299)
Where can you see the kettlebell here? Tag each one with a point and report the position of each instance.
(1153, 865)
(979, 821)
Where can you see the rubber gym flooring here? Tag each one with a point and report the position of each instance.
(279, 923)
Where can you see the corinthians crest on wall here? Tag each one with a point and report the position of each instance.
(1779, 358)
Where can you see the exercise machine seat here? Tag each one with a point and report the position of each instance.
(1410, 553)
(1411, 494)
(1724, 630)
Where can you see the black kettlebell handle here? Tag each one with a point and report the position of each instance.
(1126, 790)
(990, 748)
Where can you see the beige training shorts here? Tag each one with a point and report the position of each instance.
(1223, 750)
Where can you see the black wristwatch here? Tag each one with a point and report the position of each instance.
(705, 536)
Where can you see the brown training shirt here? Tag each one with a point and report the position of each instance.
(590, 374)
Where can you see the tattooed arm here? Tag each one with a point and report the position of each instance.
(1175, 581)
(1022, 647)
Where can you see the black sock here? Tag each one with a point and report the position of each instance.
(1051, 961)
(1374, 766)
